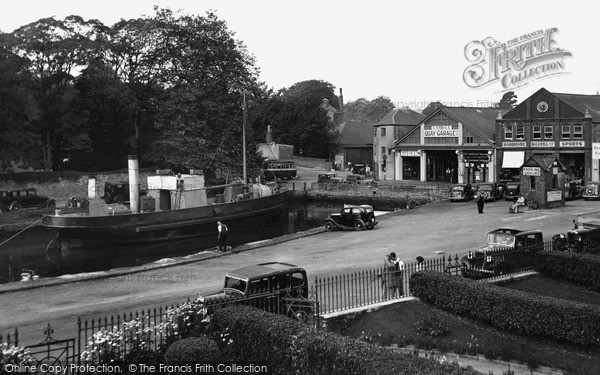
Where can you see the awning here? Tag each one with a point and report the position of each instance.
(513, 159)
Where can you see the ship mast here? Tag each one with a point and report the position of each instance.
(244, 138)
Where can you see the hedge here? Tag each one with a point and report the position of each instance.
(287, 346)
(510, 310)
(579, 268)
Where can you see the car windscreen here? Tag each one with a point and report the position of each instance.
(500, 239)
(235, 283)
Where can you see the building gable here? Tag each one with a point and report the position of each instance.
(543, 105)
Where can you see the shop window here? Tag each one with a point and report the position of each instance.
(548, 132)
(383, 132)
(565, 132)
(520, 131)
(508, 131)
(577, 132)
(537, 131)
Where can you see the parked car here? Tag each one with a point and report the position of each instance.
(513, 189)
(574, 189)
(461, 192)
(329, 178)
(352, 217)
(592, 190)
(359, 179)
(578, 238)
(14, 200)
(262, 281)
(492, 191)
(117, 192)
(359, 169)
(498, 257)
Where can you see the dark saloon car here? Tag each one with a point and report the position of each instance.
(352, 217)
(263, 282)
(505, 251)
(117, 192)
(329, 178)
(491, 190)
(14, 200)
(461, 192)
(592, 190)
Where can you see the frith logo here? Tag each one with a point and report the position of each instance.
(514, 63)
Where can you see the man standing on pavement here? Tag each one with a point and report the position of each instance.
(480, 199)
(392, 278)
(222, 230)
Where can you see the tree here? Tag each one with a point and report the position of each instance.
(19, 141)
(508, 101)
(362, 110)
(432, 107)
(55, 49)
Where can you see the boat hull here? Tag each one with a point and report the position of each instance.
(168, 232)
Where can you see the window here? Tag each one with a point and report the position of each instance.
(383, 151)
(520, 133)
(508, 131)
(565, 131)
(383, 132)
(578, 132)
(537, 131)
(532, 182)
(548, 132)
(469, 139)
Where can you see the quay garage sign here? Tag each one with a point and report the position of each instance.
(441, 131)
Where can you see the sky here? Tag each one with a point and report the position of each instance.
(412, 53)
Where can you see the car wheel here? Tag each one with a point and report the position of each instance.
(85, 204)
(15, 206)
(70, 204)
(359, 225)
(329, 227)
(51, 204)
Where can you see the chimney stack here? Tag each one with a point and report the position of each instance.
(341, 102)
(269, 134)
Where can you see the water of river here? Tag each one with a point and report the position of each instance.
(30, 250)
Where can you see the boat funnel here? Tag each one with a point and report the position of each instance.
(134, 183)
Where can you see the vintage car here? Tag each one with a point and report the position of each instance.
(574, 189)
(352, 217)
(492, 191)
(592, 190)
(329, 178)
(117, 192)
(359, 179)
(505, 249)
(14, 200)
(461, 192)
(512, 191)
(577, 239)
(262, 281)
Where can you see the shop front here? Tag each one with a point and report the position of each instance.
(453, 145)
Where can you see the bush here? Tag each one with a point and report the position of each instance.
(193, 350)
(510, 310)
(578, 268)
(431, 326)
(287, 346)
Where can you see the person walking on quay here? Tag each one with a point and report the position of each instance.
(480, 200)
(392, 276)
(222, 236)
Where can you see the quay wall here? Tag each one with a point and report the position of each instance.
(389, 197)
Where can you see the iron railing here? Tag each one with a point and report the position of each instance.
(347, 291)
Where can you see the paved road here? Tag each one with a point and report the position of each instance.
(443, 226)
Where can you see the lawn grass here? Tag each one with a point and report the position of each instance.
(397, 324)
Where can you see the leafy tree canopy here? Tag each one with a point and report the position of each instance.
(363, 110)
(508, 101)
